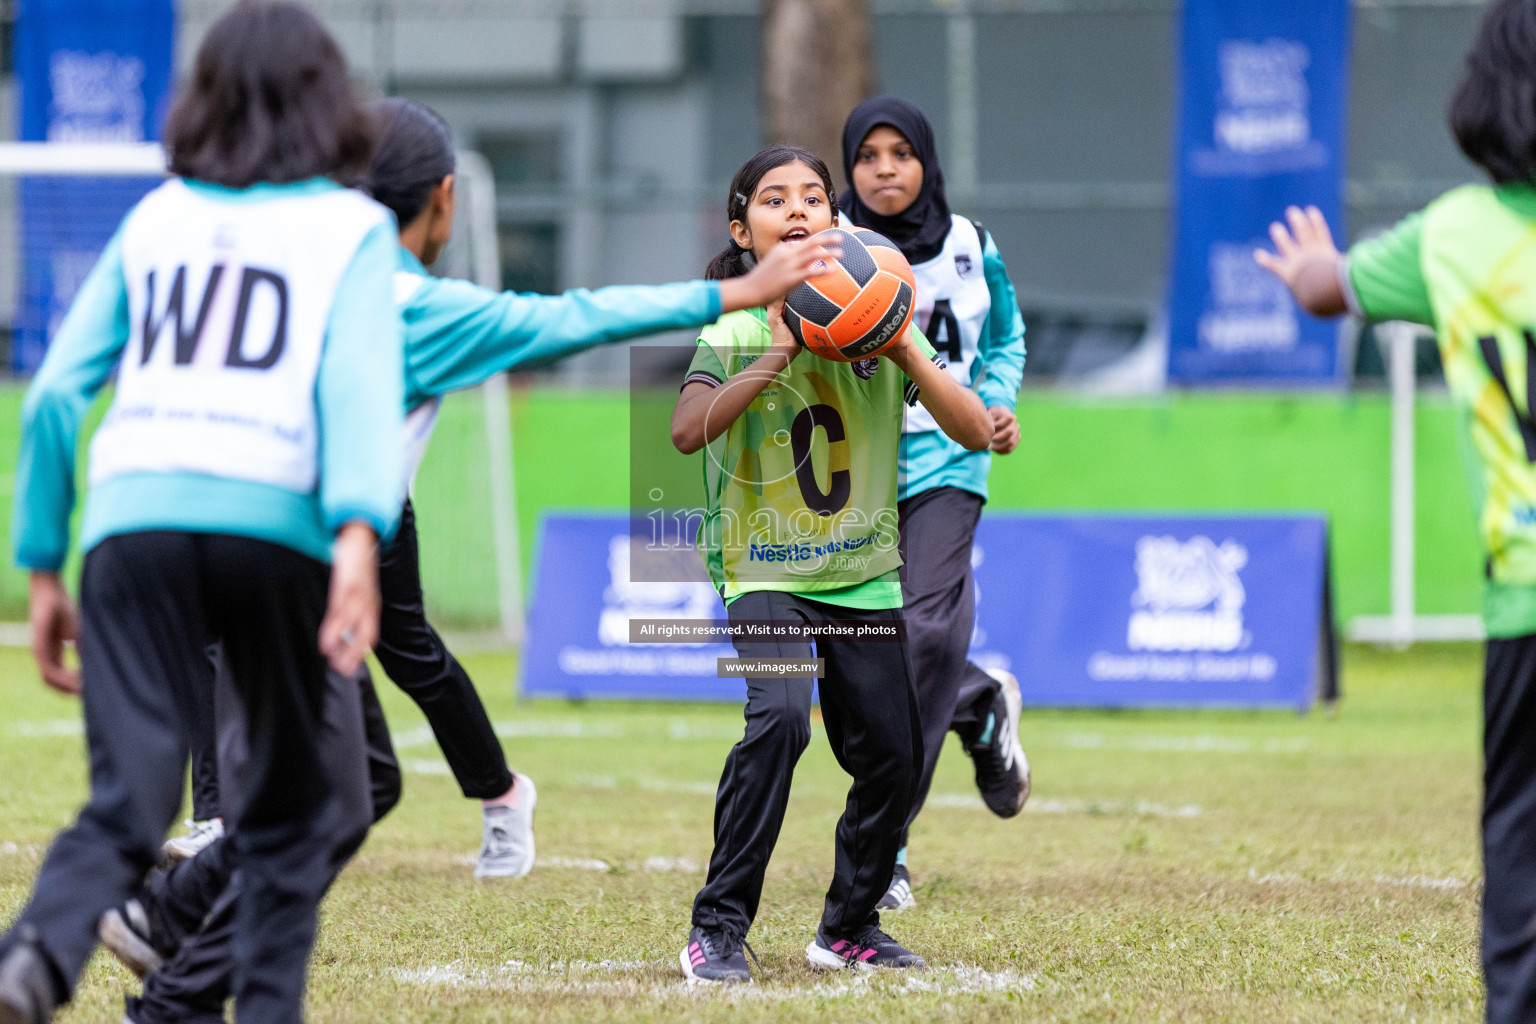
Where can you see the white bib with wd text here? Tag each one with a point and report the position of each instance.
(228, 304)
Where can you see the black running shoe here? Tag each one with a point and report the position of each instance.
(870, 948)
(126, 931)
(27, 993)
(899, 895)
(716, 958)
(1002, 770)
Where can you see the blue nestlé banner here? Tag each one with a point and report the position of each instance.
(1261, 126)
(578, 622)
(1111, 611)
(87, 71)
(1088, 611)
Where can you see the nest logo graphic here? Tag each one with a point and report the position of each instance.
(1189, 596)
(1249, 309)
(1262, 107)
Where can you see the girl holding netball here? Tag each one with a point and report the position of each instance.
(243, 475)
(968, 310)
(802, 453)
(1464, 265)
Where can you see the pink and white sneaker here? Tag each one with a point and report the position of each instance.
(870, 948)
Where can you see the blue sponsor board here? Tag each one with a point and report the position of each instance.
(1261, 126)
(88, 71)
(1108, 611)
(578, 621)
(1088, 611)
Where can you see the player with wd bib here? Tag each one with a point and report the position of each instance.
(967, 308)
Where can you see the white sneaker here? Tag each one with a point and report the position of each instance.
(506, 849)
(200, 835)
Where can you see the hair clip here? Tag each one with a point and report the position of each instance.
(742, 198)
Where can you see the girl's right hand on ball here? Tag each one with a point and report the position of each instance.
(781, 269)
(783, 339)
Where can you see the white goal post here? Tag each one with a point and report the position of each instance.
(474, 254)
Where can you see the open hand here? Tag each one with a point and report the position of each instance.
(54, 623)
(782, 268)
(351, 624)
(1306, 259)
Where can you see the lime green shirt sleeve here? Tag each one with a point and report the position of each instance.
(706, 367)
(1384, 277)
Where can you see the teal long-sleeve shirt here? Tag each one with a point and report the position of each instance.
(929, 458)
(359, 395)
(458, 334)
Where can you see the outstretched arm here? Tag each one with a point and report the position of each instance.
(458, 334)
(1306, 259)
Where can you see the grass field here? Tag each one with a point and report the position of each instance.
(1169, 867)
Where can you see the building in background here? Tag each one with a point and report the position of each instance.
(613, 127)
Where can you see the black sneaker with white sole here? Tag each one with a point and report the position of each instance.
(1002, 770)
(870, 948)
(899, 895)
(126, 931)
(28, 994)
(716, 958)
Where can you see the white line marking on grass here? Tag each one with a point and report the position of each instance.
(1198, 744)
(572, 729)
(641, 782)
(579, 863)
(671, 864)
(49, 728)
(426, 766)
(1423, 882)
(1039, 805)
(1407, 881)
(10, 849)
(586, 978)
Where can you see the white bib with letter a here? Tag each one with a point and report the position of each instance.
(228, 304)
(953, 303)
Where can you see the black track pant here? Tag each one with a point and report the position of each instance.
(149, 603)
(870, 714)
(938, 528)
(1509, 829)
(416, 660)
(193, 902)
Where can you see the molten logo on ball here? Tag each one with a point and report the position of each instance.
(861, 305)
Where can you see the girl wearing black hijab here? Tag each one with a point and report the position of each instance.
(967, 308)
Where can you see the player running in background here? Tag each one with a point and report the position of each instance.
(243, 451)
(968, 311)
(743, 401)
(457, 335)
(1466, 266)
